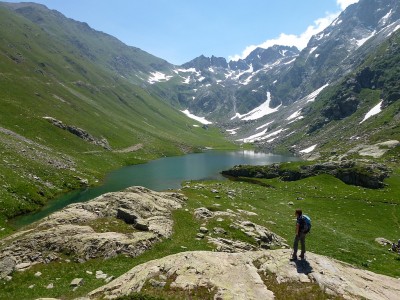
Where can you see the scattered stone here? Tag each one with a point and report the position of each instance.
(219, 230)
(218, 197)
(108, 279)
(200, 235)
(383, 241)
(290, 203)
(249, 213)
(23, 266)
(251, 234)
(156, 283)
(76, 282)
(89, 272)
(220, 220)
(203, 230)
(203, 213)
(248, 224)
(7, 266)
(234, 226)
(50, 286)
(214, 191)
(31, 286)
(101, 275)
(8, 278)
(142, 225)
(38, 274)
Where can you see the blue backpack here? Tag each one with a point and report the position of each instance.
(306, 224)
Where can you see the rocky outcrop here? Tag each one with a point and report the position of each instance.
(79, 230)
(240, 276)
(79, 132)
(369, 175)
(262, 236)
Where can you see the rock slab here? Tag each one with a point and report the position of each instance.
(70, 231)
(237, 275)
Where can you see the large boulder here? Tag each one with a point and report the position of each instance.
(75, 229)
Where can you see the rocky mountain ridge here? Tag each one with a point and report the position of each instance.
(267, 90)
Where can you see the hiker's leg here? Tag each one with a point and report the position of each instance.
(303, 244)
(295, 245)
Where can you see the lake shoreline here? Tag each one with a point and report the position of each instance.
(117, 180)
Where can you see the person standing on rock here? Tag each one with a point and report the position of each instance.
(300, 235)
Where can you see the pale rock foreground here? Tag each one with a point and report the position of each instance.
(237, 275)
(71, 230)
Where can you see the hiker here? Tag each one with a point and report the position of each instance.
(301, 230)
(394, 247)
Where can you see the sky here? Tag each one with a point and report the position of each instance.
(181, 30)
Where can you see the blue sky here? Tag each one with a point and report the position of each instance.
(180, 30)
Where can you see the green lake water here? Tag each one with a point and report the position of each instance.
(159, 175)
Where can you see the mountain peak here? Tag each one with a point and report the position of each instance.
(202, 62)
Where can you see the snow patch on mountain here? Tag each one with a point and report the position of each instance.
(362, 41)
(309, 149)
(262, 136)
(289, 62)
(233, 131)
(386, 17)
(202, 120)
(265, 125)
(157, 77)
(236, 76)
(394, 30)
(259, 111)
(313, 49)
(311, 97)
(190, 70)
(186, 80)
(374, 111)
(294, 115)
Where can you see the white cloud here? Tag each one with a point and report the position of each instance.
(344, 3)
(300, 41)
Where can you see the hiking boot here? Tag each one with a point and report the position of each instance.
(301, 256)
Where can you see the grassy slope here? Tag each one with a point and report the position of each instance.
(43, 75)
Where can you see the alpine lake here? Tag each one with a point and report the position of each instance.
(160, 175)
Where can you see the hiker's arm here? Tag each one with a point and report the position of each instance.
(297, 228)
